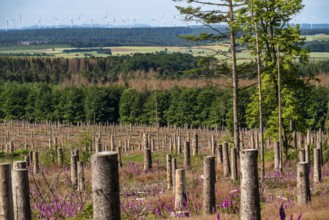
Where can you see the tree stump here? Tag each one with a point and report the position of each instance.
(105, 186)
(249, 204)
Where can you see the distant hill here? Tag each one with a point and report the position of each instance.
(100, 37)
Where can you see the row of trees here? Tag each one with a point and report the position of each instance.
(197, 107)
(95, 70)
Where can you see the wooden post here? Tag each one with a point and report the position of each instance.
(112, 143)
(145, 141)
(21, 194)
(147, 160)
(209, 180)
(74, 170)
(179, 145)
(303, 184)
(173, 169)
(187, 155)
(234, 164)
(6, 196)
(250, 205)
(120, 155)
(81, 177)
(169, 172)
(36, 162)
(220, 154)
(180, 191)
(213, 144)
(195, 144)
(317, 165)
(277, 156)
(60, 156)
(226, 160)
(105, 186)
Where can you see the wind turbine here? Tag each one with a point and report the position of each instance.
(106, 19)
(39, 22)
(123, 21)
(13, 24)
(78, 19)
(154, 22)
(71, 19)
(162, 20)
(92, 22)
(20, 22)
(56, 20)
(7, 24)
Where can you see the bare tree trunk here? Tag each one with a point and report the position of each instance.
(280, 109)
(235, 80)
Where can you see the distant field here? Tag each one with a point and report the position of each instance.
(58, 50)
(317, 37)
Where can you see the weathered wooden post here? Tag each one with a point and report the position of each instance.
(21, 193)
(226, 160)
(234, 164)
(81, 177)
(179, 145)
(74, 170)
(169, 172)
(98, 145)
(173, 170)
(195, 144)
(249, 204)
(112, 143)
(147, 160)
(170, 146)
(105, 186)
(6, 196)
(276, 156)
(60, 156)
(180, 191)
(213, 144)
(317, 165)
(145, 141)
(187, 155)
(209, 180)
(35, 162)
(220, 154)
(119, 148)
(303, 184)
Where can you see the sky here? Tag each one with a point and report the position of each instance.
(24, 13)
